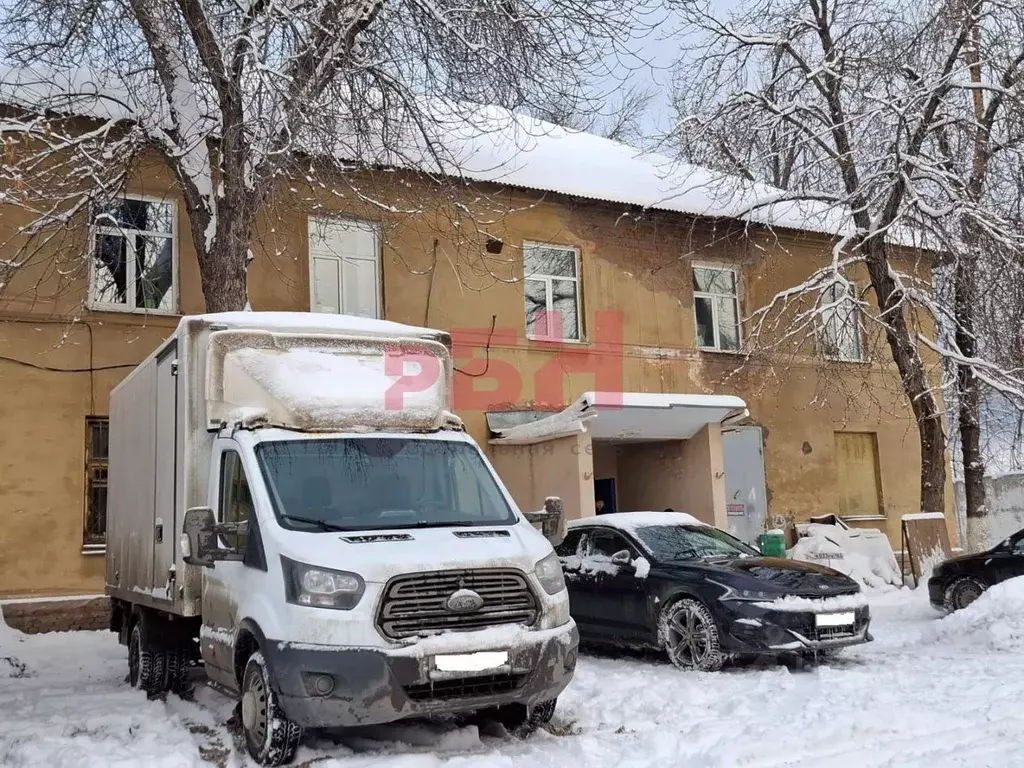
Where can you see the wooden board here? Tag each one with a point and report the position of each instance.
(925, 538)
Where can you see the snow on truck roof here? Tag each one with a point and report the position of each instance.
(630, 522)
(313, 322)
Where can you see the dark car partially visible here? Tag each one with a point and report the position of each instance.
(666, 581)
(960, 581)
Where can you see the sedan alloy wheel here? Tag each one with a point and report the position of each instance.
(690, 636)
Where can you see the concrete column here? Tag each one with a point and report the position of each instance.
(561, 467)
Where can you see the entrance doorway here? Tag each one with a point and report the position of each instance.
(604, 495)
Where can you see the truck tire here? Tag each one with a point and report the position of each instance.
(688, 633)
(146, 665)
(270, 737)
(521, 720)
(178, 666)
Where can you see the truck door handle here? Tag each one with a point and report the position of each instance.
(159, 532)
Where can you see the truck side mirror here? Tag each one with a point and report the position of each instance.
(199, 544)
(551, 520)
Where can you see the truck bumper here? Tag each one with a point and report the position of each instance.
(369, 686)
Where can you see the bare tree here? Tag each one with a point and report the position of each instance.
(847, 107)
(619, 119)
(237, 97)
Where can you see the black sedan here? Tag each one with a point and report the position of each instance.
(958, 582)
(664, 580)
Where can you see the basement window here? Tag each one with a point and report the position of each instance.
(133, 263)
(97, 442)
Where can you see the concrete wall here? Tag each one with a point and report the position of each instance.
(684, 475)
(1004, 496)
(561, 467)
(639, 335)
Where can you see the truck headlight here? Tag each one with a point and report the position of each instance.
(321, 587)
(549, 574)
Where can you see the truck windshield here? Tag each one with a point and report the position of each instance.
(372, 483)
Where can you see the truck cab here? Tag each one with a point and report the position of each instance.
(342, 560)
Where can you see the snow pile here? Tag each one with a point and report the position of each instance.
(868, 560)
(993, 622)
(631, 522)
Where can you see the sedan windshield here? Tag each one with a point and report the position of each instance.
(358, 484)
(690, 542)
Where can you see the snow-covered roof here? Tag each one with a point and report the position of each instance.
(632, 521)
(628, 416)
(490, 144)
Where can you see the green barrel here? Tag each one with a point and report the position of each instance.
(773, 544)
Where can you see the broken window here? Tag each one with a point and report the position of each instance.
(840, 322)
(97, 441)
(133, 261)
(552, 292)
(716, 307)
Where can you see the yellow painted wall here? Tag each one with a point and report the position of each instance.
(638, 326)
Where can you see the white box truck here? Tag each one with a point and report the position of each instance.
(293, 506)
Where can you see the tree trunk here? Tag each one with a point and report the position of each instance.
(222, 268)
(969, 407)
(913, 378)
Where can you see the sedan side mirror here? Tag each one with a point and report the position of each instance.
(551, 520)
(622, 558)
(199, 538)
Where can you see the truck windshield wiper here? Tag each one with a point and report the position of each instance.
(323, 525)
(444, 524)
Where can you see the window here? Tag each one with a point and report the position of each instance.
(605, 544)
(344, 267)
(716, 307)
(133, 264)
(235, 498)
(570, 544)
(97, 441)
(552, 289)
(840, 322)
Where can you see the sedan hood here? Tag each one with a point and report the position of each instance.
(771, 574)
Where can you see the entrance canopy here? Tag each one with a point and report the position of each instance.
(619, 416)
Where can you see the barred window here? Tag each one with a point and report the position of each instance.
(97, 441)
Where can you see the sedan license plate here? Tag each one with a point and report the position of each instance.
(471, 662)
(835, 619)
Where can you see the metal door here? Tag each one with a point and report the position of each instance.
(746, 502)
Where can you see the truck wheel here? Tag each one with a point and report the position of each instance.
(962, 593)
(270, 737)
(178, 673)
(521, 720)
(688, 633)
(145, 666)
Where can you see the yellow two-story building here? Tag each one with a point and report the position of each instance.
(599, 335)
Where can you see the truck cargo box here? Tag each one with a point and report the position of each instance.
(303, 371)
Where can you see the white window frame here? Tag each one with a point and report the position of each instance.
(130, 299)
(315, 221)
(714, 306)
(548, 293)
(822, 329)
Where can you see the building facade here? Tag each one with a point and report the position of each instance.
(555, 297)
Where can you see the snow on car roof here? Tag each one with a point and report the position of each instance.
(632, 521)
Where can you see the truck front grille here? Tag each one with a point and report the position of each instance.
(464, 688)
(416, 604)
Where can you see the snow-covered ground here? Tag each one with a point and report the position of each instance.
(928, 692)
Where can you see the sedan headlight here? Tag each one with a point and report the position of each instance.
(745, 595)
(321, 587)
(549, 574)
